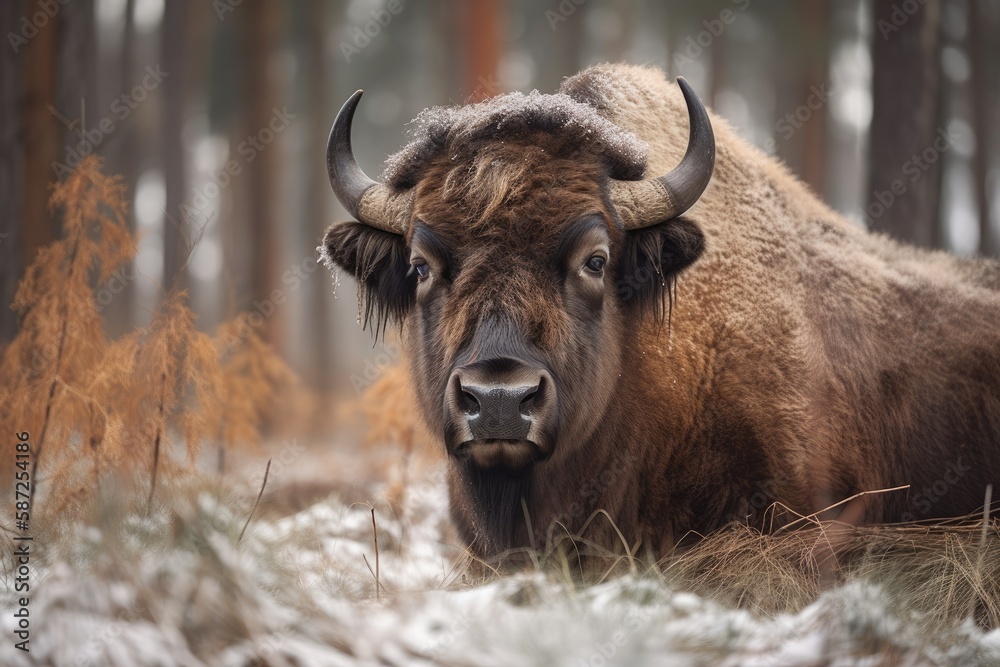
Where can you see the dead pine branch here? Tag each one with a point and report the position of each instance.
(156, 442)
(378, 581)
(61, 342)
(63, 326)
(256, 502)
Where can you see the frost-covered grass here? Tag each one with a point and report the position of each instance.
(123, 588)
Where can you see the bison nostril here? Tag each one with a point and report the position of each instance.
(527, 401)
(468, 403)
(532, 398)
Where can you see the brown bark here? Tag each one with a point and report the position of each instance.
(42, 133)
(482, 28)
(904, 194)
(816, 16)
(319, 81)
(11, 151)
(173, 54)
(984, 24)
(261, 26)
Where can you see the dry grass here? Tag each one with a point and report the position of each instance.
(944, 572)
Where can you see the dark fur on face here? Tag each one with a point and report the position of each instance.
(505, 233)
(379, 262)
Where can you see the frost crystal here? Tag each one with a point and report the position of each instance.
(439, 129)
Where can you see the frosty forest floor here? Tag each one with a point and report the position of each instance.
(173, 587)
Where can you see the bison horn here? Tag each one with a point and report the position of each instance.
(369, 201)
(654, 200)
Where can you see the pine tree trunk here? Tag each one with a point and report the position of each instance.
(903, 198)
(41, 140)
(984, 25)
(261, 25)
(481, 28)
(173, 54)
(318, 84)
(11, 152)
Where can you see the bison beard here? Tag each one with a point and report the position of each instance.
(497, 502)
(755, 349)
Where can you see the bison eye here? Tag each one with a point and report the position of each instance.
(422, 269)
(596, 264)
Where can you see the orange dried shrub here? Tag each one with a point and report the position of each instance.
(61, 340)
(395, 428)
(176, 381)
(258, 390)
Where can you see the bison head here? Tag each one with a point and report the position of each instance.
(520, 246)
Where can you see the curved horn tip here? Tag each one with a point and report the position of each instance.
(348, 180)
(686, 182)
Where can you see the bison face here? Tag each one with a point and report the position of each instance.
(520, 266)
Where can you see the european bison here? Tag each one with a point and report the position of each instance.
(607, 306)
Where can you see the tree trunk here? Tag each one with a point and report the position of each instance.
(76, 73)
(905, 166)
(41, 140)
(984, 26)
(11, 151)
(173, 54)
(319, 82)
(260, 33)
(816, 17)
(122, 158)
(481, 28)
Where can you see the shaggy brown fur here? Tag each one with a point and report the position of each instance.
(805, 359)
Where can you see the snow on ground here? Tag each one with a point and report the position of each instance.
(176, 589)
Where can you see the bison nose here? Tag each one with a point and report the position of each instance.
(500, 409)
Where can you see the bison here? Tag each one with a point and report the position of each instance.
(609, 301)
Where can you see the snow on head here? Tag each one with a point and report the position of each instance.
(510, 116)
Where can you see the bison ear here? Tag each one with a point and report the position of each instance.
(651, 261)
(380, 263)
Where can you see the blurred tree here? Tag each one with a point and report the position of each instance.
(803, 86)
(261, 25)
(121, 150)
(904, 186)
(553, 40)
(318, 83)
(623, 35)
(41, 138)
(481, 29)
(984, 20)
(10, 169)
(815, 16)
(175, 44)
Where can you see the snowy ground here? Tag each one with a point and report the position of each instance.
(176, 589)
